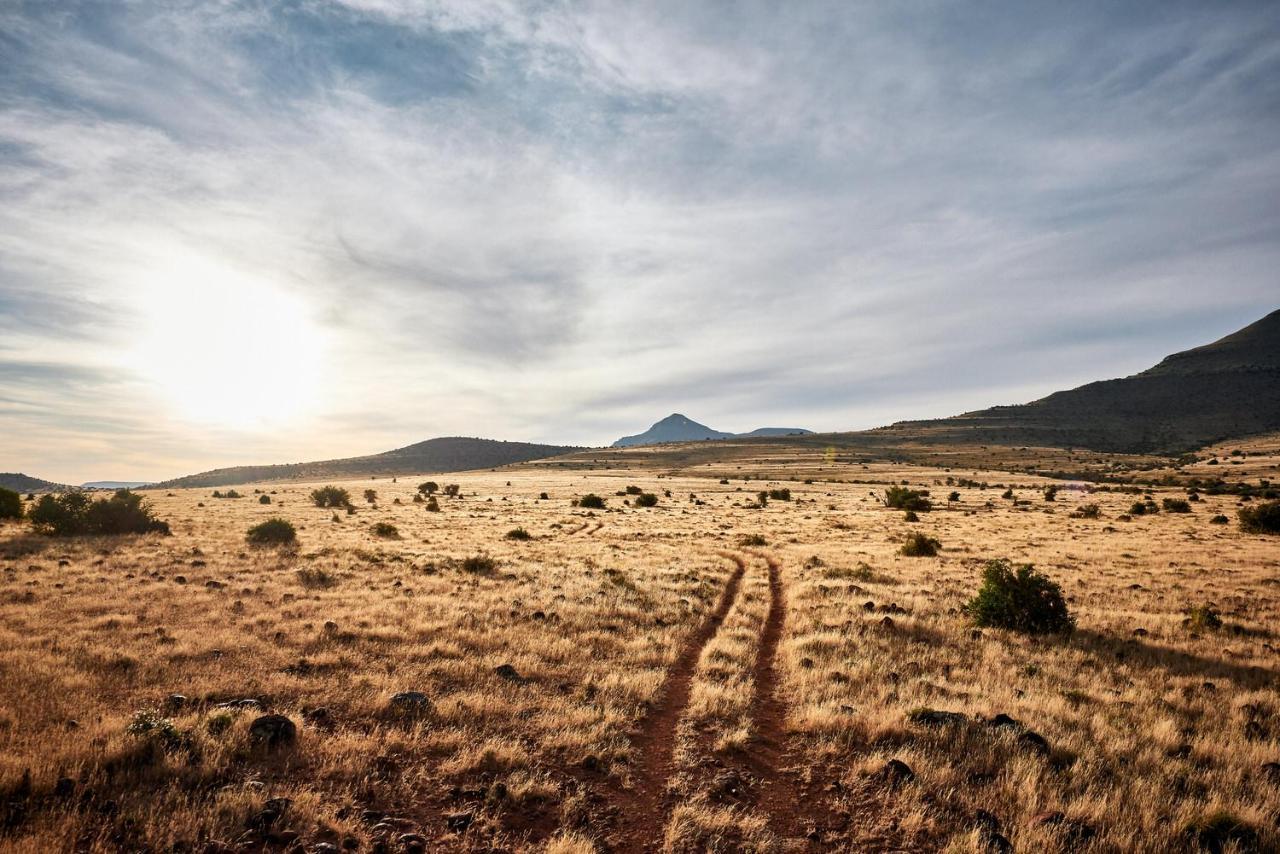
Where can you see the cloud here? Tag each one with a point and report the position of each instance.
(561, 221)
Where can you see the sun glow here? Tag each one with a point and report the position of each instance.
(226, 350)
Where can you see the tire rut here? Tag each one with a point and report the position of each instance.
(643, 810)
(780, 793)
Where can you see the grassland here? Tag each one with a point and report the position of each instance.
(699, 675)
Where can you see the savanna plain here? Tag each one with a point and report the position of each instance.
(519, 670)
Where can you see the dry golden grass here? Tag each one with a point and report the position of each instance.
(1147, 731)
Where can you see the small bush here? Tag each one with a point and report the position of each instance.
(331, 496)
(1175, 505)
(370, 496)
(1051, 493)
(1087, 511)
(1202, 618)
(386, 530)
(780, 494)
(1019, 599)
(591, 501)
(10, 504)
(273, 532)
(1263, 519)
(452, 490)
(433, 506)
(481, 564)
(910, 516)
(919, 545)
(74, 513)
(428, 488)
(316, 579)
(1219, 520)
(518, 534)
(752, 540)
(633, 490)
(266, 499)
(646, 499)
(901, 498)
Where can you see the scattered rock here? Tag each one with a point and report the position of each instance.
(412, 843)
(174, 703)
(1035, 742)
(459, 822)
(320, 718)
(895, 772)
(1003, 721)
(273, 730)
(507, 672)
(935, 718)
(413, 704)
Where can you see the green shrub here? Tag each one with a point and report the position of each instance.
(74, 513)
(591, 501)
(780, 494)
(428, 488)
(1175, 505)
(316, 579)
(273, 532)
(646, 499)
(10, 504)
(1263, 519)
(266, 499)
(452, 490)
(1219, 520)
(433, 506)
(519, 534)
(1051, 493)
(901, 498)
(1019, 599)
(370, 496)
(919, 545)
(633, 490)
(386, 530)
(481, 564)
(910, 516)
(1087, 511)
(331, 496)
(1202, 618)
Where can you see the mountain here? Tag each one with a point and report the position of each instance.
(19, 482)
(678, 428)
(453, 453)
(1223, 390)
(775, 431)
(114, 484)
(673, 428)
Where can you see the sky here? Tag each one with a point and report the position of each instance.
(260, 232)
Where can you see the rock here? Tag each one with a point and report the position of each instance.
(458, 822)
(935, 718)
(506, 671)
(868, 606)
(1140, 633)
(1073, 832)
(1035, 742)
(592, 763)
(413, 843)
(1003, 721)
(174, 702)
(887, 622)
(324, 848)
(320, 718)
(895, 772)
(413, 704)
(247, 704)
(330, 627)
(995, 843)
(273, 731)
(271, 813)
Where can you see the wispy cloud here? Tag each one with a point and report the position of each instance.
(561, 221)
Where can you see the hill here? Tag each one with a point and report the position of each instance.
(19, 482)
(1190, 399)
(679, 428)
(114, 484)
(454, 453)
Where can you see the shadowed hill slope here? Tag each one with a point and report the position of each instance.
(453, 453)
(1222, 390)
(19, 482)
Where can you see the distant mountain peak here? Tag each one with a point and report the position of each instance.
(681, 428)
